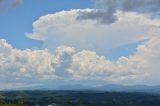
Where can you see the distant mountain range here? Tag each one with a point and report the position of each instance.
(114, 88)
(109, 88)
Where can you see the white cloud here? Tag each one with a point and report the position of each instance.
(17, 65)
(67, 64)
(63, 28)
(142, 67)
(87, 65)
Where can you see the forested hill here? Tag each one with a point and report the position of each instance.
(80, 98)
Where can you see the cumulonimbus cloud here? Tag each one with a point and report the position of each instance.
(77, 29)
(39, 65)
(63, 28)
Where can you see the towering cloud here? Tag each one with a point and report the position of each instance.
(43, 65)
(29, 65)
(120, 22)
(63, 28)
(106, 9)
(79, 29)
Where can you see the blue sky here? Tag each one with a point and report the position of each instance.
(20, 21)
(17, 21)
(50, 42)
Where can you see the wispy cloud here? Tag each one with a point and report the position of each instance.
(106, 9)
(9, 4)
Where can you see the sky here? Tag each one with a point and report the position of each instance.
(50, 43)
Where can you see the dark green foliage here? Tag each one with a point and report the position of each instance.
(79, 98)
(5, 103)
